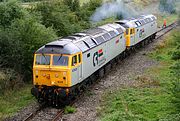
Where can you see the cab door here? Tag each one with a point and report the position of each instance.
(80, 65)
(77, 67)
(132, 35)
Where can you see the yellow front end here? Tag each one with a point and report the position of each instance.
(52, 70)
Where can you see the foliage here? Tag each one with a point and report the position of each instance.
(171, 117)
(176, 53)
(176, 73)
(69, 109)
(74, 5)
(22, 35)
(59, 16)
(176, 86)
(167, 6)
(9, 80)
(10, 11)
(22, 31)
(66, 17)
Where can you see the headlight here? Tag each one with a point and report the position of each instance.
(36, 72)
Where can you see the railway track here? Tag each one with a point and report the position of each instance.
(165, 30)
(42, 109)
(60, 112)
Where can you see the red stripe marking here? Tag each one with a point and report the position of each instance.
(100, 51)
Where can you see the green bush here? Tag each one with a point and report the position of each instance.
(9, 80)
(176, 54)
(22, 35)
(23, 31)
(167, 6)
(172, 117)
(176, 72)
(176, 85)
(58, 15)
(67, 17)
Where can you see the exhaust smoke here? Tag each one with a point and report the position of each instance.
(114, 8)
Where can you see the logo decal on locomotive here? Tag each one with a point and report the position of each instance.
(98, 58)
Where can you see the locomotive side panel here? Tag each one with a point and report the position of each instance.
(145, 31)
(116, 46)
(97, 57)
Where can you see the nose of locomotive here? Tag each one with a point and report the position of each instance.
(51, 77)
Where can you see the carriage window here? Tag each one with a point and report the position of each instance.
(113, 34)
(107, 37)
(99, 39)
(60, 60)
(119, 30)
(90, 42)
(74, 60)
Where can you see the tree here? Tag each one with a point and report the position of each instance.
(20, 37)
(167, 6)
(59, 16)
(75, 5)
(10, 11)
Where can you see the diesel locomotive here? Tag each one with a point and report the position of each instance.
(62, 67)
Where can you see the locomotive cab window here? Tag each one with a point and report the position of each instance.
(79, 58)
(42, 59)
(131, 31)
(60, 60)
(127, 31)
(74, 60)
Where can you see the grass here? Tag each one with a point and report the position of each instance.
(12, 102)
(151, 97)
(69, 109)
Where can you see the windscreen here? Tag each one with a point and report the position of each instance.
(42, 59)
(60, 60)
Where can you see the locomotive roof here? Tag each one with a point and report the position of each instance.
(84, 41)
(59, 47)
(138, 21)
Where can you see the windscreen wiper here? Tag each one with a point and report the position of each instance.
(59, 58)
(45, 58)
